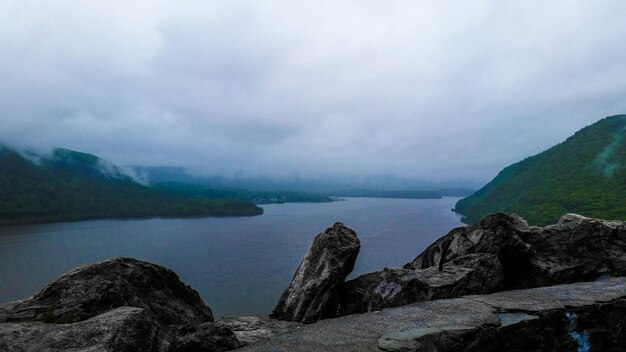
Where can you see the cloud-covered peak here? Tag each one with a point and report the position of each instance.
(428, 90)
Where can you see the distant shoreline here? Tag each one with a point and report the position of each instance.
(55, 220)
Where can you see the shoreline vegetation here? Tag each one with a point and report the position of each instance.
(242, 212)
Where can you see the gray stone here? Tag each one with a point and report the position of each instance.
(205, 337)
(94, 289)
(498, 234)
(118, 305)
(313, 293)
(251, 329)
(575, 249)
(421, 339)
(121, 329)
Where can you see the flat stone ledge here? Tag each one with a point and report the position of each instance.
(361, 332)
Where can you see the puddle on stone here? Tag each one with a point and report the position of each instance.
(507, 319)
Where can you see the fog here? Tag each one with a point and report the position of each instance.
(435, 91)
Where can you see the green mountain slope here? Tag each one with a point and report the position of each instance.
(586, 174)
(70, 185)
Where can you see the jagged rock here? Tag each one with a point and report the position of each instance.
(251, 329)
(497, 234)
(469, 274)
(575, 249)
(205, 337)
(313, 292)
(121, 329)
(94, 289)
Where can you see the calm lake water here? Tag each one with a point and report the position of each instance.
(240, 266)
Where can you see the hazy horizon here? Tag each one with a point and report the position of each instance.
(433, 91)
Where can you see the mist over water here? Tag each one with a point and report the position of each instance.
(240, 266)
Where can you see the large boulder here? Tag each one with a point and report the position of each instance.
(469, 274)
(313, 293)
(94, 289)
(575, 249)
(120, 305)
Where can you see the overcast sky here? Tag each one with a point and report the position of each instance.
(434, 90)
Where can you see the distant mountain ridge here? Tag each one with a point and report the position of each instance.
(585, 174)
(301, 188)
(387, 194)
(319, 184)
(68, 185)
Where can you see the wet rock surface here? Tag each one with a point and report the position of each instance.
(313, 293)
(520, 320)
(544, 331)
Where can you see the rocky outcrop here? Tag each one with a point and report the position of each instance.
(500, 253)
(94, 289)
(518, 320)
(129, 305)
(313, 293)
(575, 249)
(118, 305)
(469, 274)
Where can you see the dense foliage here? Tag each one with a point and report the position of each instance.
(70, 186)
(586, 174)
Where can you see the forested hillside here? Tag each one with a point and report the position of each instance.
(586, 174)
(70, 185)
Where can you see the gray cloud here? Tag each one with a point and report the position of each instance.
(428, 89)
